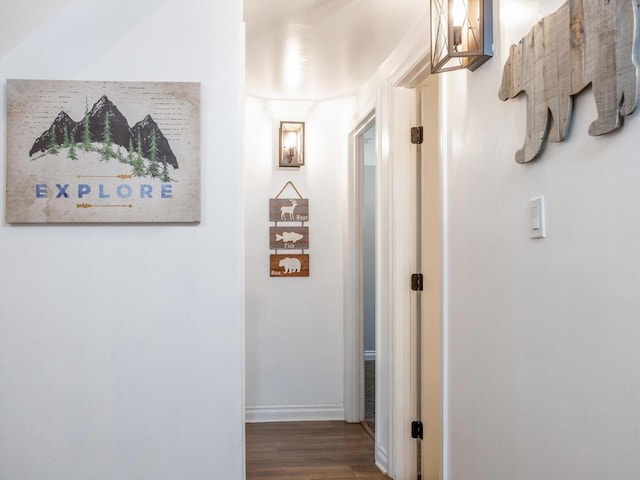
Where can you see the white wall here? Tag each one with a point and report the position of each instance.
(121, 346)
(544, 371)
(295, 328)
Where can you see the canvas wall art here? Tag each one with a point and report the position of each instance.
(102, 152)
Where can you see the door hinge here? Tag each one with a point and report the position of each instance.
(417, 282)
(417, 135)
(416, 429)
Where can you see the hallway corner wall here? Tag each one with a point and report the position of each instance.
(295, 327)
(543, 335)
(121, 349)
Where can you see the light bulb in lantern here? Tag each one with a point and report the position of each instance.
(458, 16)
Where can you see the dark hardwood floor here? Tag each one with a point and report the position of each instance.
(310, 451)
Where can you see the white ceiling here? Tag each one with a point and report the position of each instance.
(315, 49)
(296, 49)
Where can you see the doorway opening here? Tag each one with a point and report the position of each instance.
(363, 144)
(368, 214)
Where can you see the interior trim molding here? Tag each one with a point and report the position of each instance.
(294, 413)
(411, 61)
(382, 459)
(353, 280)
(394, 86)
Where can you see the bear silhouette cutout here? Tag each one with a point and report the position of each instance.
(584, 42)
(290, 265)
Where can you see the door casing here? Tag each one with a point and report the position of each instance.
(393, 102)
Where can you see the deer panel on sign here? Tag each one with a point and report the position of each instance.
(288, 210)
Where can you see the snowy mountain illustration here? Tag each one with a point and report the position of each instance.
(60, 124)
(105, 124)
(144, 130)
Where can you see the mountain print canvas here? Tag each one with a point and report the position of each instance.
(102, 152)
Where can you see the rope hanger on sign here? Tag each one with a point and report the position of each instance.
(289, 183)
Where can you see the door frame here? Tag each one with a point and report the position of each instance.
(354, 278)
(391, 96)
(433, 267)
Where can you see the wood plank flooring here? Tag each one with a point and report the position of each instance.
(310, 451)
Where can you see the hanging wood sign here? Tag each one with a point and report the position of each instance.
(288, 210)
(289, 238)
(584, 42)
(290, 265)
(289, 233)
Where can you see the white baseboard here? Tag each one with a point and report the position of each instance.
(369, 355)
(294, 413)
(381, 468)
(382, 459)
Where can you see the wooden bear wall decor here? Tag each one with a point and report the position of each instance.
(583, 42)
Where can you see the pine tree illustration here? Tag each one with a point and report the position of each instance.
(86, 133)
(138, 162)
(138, 167)
(53, 143)
(139, 146)
(106, 151)
(66, 143)
(153, 168)
(72, 152)
(165, 171)
(130, 158)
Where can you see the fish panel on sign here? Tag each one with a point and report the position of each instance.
(289, 265)
(289, 210)
(289, 238)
